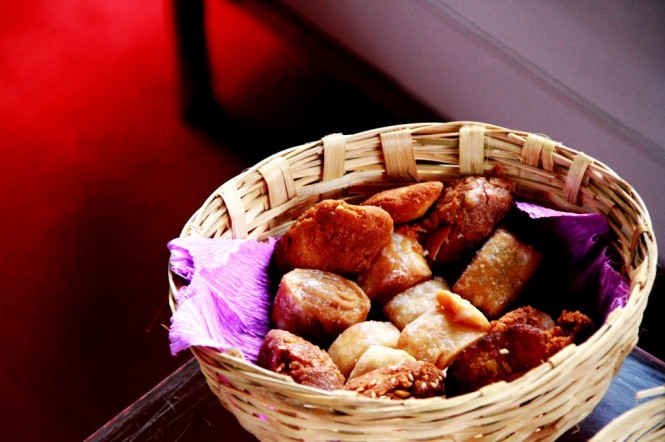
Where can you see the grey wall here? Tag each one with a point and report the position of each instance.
(590, 74)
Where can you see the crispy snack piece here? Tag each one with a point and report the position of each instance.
(502, 356)
(498, 273)
(523, 315)
(518, 342)
(285, 353)
(318, 305)
(400, 265)
(350, 345)
(377, 356)
(335, 236)
(439, 334)
(406, 306)
(405, 204)
(465, 214)
(575, 324)
(460, 310)
(417, 379)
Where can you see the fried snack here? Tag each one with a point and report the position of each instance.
(417, 379)
(576, 325)
(523, 315)
(498, 273)
(335, 236)
(501, 356)
(318, 305)
(400, 265)
(288, 354)
(465, 214)
(355, 340)
(437, 336)
(405, 204)
(377, 356)
(519, 341)
(460, 310)
(413, 302)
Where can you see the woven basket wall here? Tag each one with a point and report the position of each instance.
(264, 200)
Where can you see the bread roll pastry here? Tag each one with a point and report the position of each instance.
(400, 264)
(439, 334)
(377, 356)
(355, 340)
(318, 305)
(413, 302)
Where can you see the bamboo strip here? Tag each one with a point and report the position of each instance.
(575, 177)
(334, 157)
(400, 163)
(472, 149)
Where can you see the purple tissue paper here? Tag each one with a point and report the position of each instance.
(579, 270)
(227, 301)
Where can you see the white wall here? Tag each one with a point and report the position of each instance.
(590, 74)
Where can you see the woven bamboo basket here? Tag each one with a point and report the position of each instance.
(264, 200)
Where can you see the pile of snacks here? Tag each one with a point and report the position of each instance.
(415, 292)
(597, 256)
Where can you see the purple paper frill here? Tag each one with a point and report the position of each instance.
(578, 271)
(227, 301)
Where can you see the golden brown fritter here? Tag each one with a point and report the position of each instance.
(417, 379)
(575, 324)
(405, 204)
(571, 324)
(500, 356)
(288, 354)
(465, 214)
(524, 315)
(516, 343)
(335, 236)
(318, 305)
(400, 265)
(498, 273)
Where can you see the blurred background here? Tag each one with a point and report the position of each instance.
(112, 136)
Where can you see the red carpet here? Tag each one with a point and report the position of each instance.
(99, 173)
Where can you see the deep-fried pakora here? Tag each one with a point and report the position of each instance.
(336, 237)
(288, 354)
(405, 204)
(465, 214)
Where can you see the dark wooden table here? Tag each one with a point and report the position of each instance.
(183, 408)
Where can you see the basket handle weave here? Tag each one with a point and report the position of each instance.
(398, 156)
(235, 208)
(571, 188)
(334, 159)
(279, 180)
(537, 150)
(472, 149)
